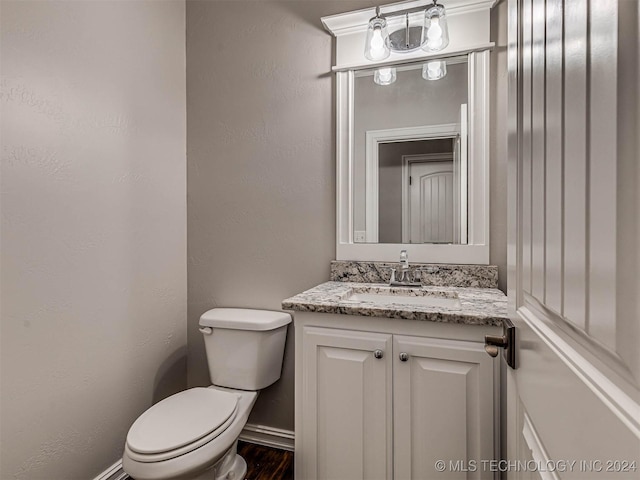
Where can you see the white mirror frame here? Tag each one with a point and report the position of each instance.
(476, 250)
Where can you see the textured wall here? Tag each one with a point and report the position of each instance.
(93, 228)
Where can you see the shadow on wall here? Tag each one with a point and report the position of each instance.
(306, 12)
(311, 12)
(171, 377)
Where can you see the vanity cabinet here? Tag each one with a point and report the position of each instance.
(387, 403)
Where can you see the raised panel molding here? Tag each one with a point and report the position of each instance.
(349, 391)
(456, 419)
(573, 232)
(620, 401)
(568, 160)
(536, 449)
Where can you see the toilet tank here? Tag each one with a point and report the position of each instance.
(244, 347)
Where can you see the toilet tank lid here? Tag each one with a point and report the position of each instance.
(244, 319)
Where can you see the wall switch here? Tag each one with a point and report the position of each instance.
(359, 236)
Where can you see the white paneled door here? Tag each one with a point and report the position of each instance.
(574, 176)
(431, 202)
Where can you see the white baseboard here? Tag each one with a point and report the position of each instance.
(268, 436)
(114, 472)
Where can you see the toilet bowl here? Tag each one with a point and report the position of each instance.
(193, 435)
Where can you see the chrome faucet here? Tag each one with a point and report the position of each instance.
(404, 276)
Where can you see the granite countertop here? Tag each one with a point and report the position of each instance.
(476, 306)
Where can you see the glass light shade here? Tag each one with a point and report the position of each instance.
(434, 70)
(384, 76)
(435, 34)
(376, 46)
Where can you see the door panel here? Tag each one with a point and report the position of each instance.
(431, 210)
(347, 396)
(456, 418)
(573, 216)
(574, 155)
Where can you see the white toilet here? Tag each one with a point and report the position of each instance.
(193, 434)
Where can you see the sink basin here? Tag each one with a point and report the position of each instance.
(408, 297)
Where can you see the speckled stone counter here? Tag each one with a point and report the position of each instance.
(435, 274)
(475, 306)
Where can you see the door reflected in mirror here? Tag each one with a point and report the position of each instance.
(410, 156)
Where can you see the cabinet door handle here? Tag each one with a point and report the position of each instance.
(378, 354)
(404, 356)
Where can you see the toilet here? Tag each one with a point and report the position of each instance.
(193, 435)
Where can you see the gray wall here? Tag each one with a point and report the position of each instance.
(93, 228)
(261, 165)
(409, 102)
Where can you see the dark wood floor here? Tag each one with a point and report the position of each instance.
(265, 463)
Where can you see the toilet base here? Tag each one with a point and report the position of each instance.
(231, 467)
(237, 470)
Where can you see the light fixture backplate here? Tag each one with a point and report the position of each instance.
(398, 39)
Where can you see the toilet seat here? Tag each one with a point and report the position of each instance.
(180, 424)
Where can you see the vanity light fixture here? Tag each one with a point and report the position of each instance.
(434, 70)
(431, 36)
(384, 76)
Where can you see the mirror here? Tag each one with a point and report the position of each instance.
(410, 175)
(439, 132)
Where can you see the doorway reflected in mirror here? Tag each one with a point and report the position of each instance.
(419, 197)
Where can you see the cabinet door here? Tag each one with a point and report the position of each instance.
(347, 405)
(443, 408)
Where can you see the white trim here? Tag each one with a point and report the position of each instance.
(538, 452)
(376, 137)
(417, 57)
(268, 436)
(622, 405)
(357, 21)
(478, 151)
(423, 253)
(406, 202)
(114, 472)
(344, 153)
(463, 153)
